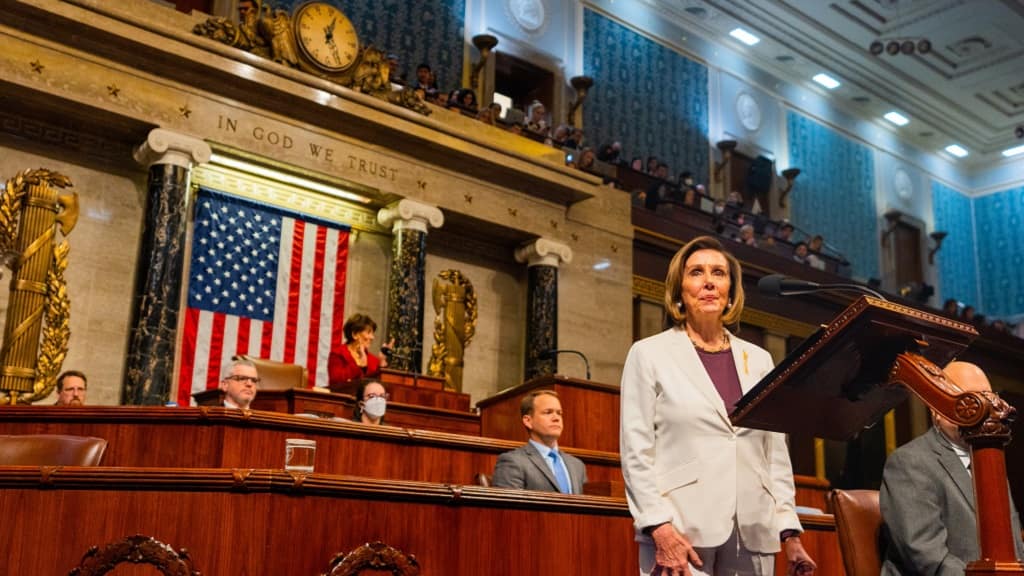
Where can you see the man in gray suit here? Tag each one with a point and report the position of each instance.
(927, 497)
(539, 464)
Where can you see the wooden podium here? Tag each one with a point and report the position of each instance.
(851, 372)
(591, 412)
(412, 388)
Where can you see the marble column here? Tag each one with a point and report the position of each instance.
(409, 221)
(542, 256)
(159, 271)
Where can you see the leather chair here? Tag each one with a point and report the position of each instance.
(51, 450)
(276, 375)
(858, 526)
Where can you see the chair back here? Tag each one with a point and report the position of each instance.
(51, 450)
(276, 375)
(858, 526)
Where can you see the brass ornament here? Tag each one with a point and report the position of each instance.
(316, 38)
(454, 326)
(36, 333)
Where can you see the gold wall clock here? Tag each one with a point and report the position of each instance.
(326, 38)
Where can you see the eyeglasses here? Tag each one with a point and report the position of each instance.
(239, 378)
(385, 396)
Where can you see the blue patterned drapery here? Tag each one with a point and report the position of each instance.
(650, 98)
(835, 194)
(998, 219)
(956, 262)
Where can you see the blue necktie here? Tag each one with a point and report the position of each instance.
(560, 476)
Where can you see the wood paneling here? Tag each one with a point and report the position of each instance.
(209, 437)
(590, 409)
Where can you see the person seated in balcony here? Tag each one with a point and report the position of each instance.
(652, 165)
(637, 164)
(786, 232)
(927, 496)
(800, 252)
(658, 192)
(485, 116)
(395, 74)
(951, 308)
(610, 152)
(559, 136)
(496, 111)
(814, 247)
(539, 464)
(352, 359)
(688, 188)
(536, 120)
(426, 82)
(816, 244)
(576, 138)
(586, 160)
(465, 100)
(371, 403)
(71, 388)
(240, 382)
(747, 235)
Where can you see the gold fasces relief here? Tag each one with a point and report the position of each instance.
(454, 326)
(317, 38)
(36, 332)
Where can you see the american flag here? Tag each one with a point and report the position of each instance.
(264, 282)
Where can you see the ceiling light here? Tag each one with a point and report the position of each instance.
(827, 81)
(1013, 151)
(286, 178)
(897, 118)
(956, 150)
(744, 36)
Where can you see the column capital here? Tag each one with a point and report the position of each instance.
(409, 214)
(167, 147)
(543, 252)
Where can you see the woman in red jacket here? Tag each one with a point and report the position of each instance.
(353, 360)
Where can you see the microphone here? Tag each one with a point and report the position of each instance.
(779, 285)
(553, 353)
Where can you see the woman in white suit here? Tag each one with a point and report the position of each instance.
(708, 498)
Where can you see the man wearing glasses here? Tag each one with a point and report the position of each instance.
(239, 383)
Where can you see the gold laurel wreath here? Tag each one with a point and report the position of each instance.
(439, 351)
(56, 332)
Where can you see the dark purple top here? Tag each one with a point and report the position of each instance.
(722, 370)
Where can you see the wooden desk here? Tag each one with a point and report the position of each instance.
(328, 404)
(269, 522)
(209, 437)
(591, 412)
(410, 388)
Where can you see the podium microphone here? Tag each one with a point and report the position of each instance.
(779, 285)
(553, 353)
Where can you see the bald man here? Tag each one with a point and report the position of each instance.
(927, 496)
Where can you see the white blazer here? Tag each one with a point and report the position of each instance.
(685, 463)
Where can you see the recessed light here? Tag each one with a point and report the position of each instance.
(1013, 151)
(827, 81)
(956, 150)
(897, 118)
(744, 36)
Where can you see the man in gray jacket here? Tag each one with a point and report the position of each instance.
(539, 464)
(927, 497)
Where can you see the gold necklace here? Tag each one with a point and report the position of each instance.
(722, 347)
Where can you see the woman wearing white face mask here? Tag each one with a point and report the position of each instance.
(371, 403)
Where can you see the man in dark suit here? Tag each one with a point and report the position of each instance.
(539, 464)
(927, 497)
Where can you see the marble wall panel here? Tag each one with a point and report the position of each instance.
(494, 358)
(104, 246)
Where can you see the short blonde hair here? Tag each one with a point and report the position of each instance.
(674, 281)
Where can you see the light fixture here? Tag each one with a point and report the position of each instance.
(1013, 151)
(826, 81)
(285, 178)
(938, 236)
(484, 44)
(744, 36)
(581, 84)
(957, 150)
(897, 46)
(726, 146)
(790, 175)
(897, 118)
(893, 218)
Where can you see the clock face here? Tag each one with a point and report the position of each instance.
(326, 36)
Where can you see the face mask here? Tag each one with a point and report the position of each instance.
(719, 209)
(375, 407)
